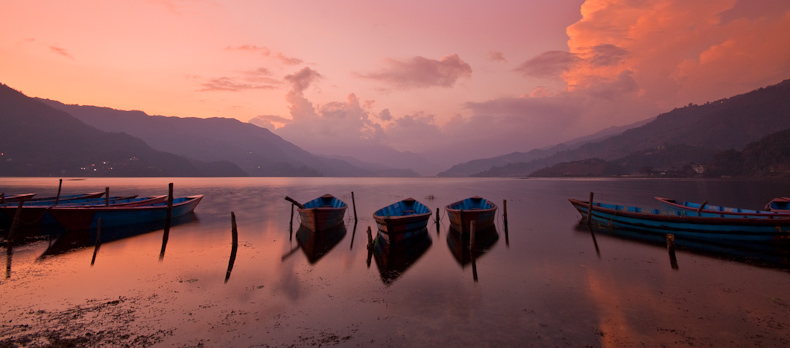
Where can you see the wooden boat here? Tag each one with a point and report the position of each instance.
(17, 198)
(86, 217)
(35, 217)
(321, 213)
(477, 209)
(402, 219)
(52, 199)
(688, 224)
(69, 201)
(779, 205)
(682, 207)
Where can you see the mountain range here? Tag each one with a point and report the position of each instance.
(41, 137)
(729, 123)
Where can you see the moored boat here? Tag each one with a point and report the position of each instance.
(477, 209)
(86, 217)
(682, 207)
(688, 224)
(779, 205)
(402, 219)
(322, 213)
(36, 218)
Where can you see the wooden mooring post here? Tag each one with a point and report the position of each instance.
(507, 235)
(234, 245)
(107, 196)
(589, 209)
(98, 241)
(168, 217)
(673, 261)
(60, 186)
(354, 205)
(291, 224)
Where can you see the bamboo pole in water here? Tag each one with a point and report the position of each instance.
(354, 204)
(589, 210)
(60, 186)
(168, 217)
(107, 196)
(234, 245)
(98, 240)
(507, 235)
(673, 261)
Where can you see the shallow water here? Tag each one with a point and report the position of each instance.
(546, 282)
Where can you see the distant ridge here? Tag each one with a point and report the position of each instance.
(37, 140)
(729, 123)
(258, 151)
(481, 165)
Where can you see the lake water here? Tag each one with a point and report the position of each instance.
(546, 283)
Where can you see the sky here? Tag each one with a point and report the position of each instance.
(450, 80)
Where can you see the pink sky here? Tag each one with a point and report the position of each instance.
(452, 80)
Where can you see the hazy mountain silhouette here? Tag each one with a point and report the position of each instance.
(729, 123)
(258, 151)
(38, 140)
(480, 165)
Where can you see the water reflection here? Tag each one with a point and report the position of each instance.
(459, 244)
(316, 244)
(394, 259)
(774, 255)
(78, 239)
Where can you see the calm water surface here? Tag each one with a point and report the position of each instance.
(546, 283)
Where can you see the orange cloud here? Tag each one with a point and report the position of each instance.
(680, 51)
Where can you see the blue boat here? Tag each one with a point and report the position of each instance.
(322, 213)
(477, 209)
(682, 207)
(86, 217)
(402, 220)
(688, 224)
(36, 219)
(780, 205)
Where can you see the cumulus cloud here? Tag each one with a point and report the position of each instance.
(421, 72)
(302, 79)
(663, 54)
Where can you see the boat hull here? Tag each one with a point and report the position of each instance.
(79, 218)
(477, 209)
(693, 225)
(402, 220)
(683, 207)
(323, 213)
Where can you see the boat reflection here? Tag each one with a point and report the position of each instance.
(316, 244)
(394, 259)
(771, 255)
(78, 239)
(484, 240)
